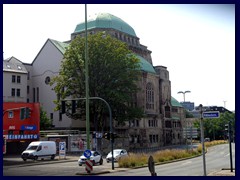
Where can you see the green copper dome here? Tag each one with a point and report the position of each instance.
(106, 20)
(145, 65)
(175, 103)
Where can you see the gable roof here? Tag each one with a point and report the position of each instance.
(61, 46)
(13, 64)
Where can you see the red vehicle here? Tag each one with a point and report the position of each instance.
(20, 125)
(4, 145)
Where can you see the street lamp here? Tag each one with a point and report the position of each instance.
(183, 94)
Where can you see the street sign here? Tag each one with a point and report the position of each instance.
(211, 114)
(190, 132)
(87, 153)
(190, 129)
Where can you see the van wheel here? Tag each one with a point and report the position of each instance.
(24, 159)
(35, 158)
(52, 157)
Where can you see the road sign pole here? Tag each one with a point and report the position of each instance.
(202, 140)
(230, 145)
(191, 137)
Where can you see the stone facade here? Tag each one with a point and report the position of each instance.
(160, 126)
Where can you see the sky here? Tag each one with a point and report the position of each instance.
(196, 42)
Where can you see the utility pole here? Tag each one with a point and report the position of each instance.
(228, 128)
(86, 83)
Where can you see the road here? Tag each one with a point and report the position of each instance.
(217, 158)
(50, 168)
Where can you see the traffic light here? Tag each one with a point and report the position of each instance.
(226, 127)
(63, 107)
(107, 136)
(28, 112)
(22, 113)
(114, 136)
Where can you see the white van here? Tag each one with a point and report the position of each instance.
(40, 149)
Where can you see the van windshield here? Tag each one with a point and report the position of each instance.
(32, 147)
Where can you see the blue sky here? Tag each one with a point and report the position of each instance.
(195, 42)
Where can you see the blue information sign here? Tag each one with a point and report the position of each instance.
(87, 153)
(62, 149)
(211, 114)
(61, 146)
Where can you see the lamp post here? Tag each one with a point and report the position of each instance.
(183, 94)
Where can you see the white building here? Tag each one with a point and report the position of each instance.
(15, 77)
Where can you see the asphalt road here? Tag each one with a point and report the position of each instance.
(15, 166)
(217, 158)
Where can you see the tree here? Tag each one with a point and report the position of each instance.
(45, 122)
(188, 114)
(113, 74)
(215, 128)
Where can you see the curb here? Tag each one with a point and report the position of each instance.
(95, 173)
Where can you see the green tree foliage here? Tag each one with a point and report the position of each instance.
(113, 74)
(188, 114)
(45, 122)
(215, 128)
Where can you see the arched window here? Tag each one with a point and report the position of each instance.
(149, 96)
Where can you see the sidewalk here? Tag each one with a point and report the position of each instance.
(223, 172)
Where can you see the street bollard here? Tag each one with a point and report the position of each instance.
(151, 166)
(89, 166)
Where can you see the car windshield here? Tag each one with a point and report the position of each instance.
(32, 147)
(115, 152)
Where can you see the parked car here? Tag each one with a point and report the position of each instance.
(96, 158)
(207, 139)
(117, 154)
